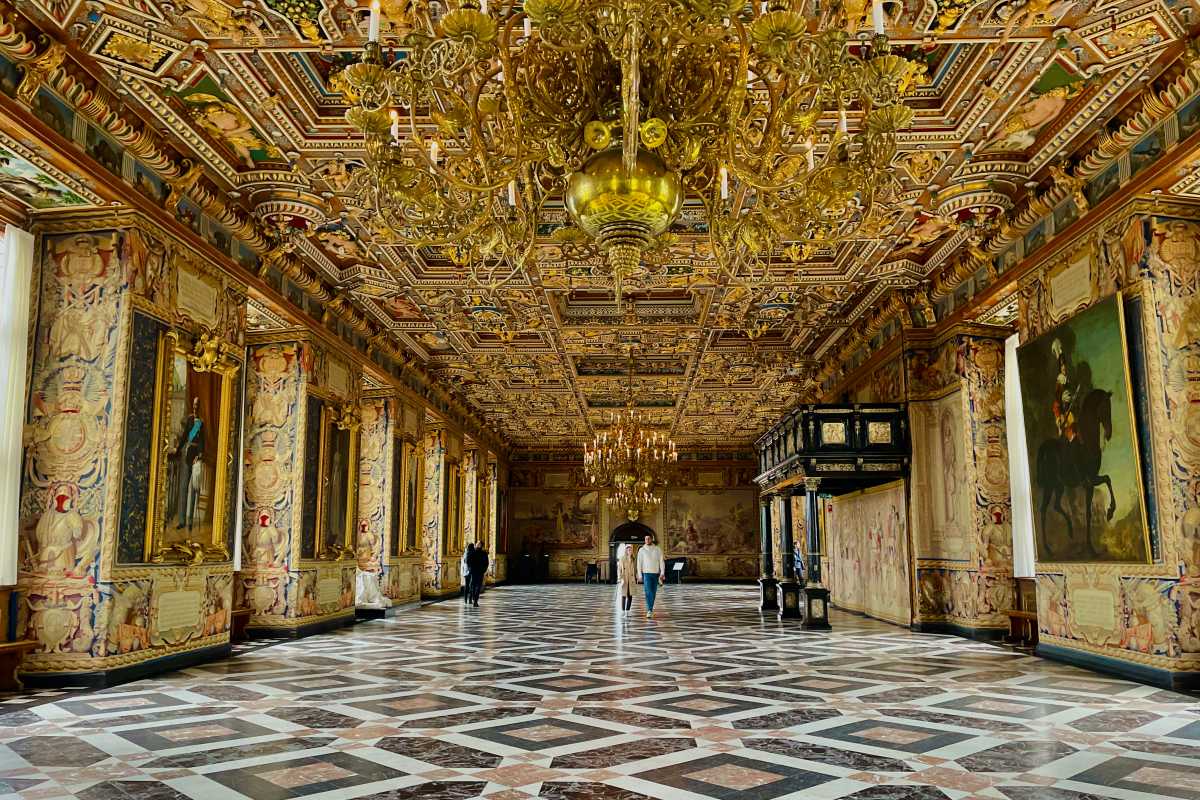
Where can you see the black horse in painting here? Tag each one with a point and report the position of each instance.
(1063, 465)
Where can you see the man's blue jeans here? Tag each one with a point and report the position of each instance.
(650, 584)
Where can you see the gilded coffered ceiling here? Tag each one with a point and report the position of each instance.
(1020, 104)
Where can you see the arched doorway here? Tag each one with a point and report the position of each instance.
(632, 532)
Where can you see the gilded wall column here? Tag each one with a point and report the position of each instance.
(301, 490)
(378, 510)
(432, 517)
(127, 514)
(768, 586)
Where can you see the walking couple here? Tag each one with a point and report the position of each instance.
(473, 568)
(650, 570)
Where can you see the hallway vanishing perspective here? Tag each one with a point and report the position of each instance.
(545, 692)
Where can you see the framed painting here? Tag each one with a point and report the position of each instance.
(336, 495)
(196, 389)
(1088, 501)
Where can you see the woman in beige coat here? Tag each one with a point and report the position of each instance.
(626, 571)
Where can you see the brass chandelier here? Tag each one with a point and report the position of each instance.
(624, 109)
(629, 458)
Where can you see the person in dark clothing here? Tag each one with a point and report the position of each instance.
(464, 573)
(477, 564)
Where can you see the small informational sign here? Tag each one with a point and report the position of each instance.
(678, 567)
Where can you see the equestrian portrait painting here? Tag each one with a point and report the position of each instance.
(1083, 450)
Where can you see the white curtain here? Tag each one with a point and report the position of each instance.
(1018, 465)
(16, 275)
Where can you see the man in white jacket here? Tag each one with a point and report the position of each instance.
(653, 568)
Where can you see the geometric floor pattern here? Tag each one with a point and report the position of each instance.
(545, 692)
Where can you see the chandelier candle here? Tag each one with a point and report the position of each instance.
(877, 16)
(373, 24)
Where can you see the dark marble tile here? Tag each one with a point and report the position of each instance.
(1114, 721)
(622, 753)
(901, 694)
(961, 720)
(850, 759)
(315, 717)
(130, 790)
(1142, 775)
(1016, 757)
(496, 693)
(19, 719)
(541, 734)
(899, 793)
(229, 692)
(759, 693)
(435, 790)
(631, 692)
(587, 791)
(626, 717)
(147, 719)
(1046, 793)
(57, 751)
(1162, 748)
(469, 718)
(786, 719)
(206, 758)
(439, 753)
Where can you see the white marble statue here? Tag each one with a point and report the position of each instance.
(367, 594)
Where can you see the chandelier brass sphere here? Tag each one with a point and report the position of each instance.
(623, 210)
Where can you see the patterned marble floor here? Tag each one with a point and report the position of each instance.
(545, 692)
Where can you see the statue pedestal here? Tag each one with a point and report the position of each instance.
(816, 605)
(768, 594)
(789, 599)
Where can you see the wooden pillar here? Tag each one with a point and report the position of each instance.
(816, 596)
(789, 589)
(768, 591)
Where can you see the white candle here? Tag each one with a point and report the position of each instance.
(373, 28)
(433, 150)
(812, 156)
(395, 124)
(483, 6)
(512, 193)
(877, 16)
(527, 24)
(842, 120)
(724, 183)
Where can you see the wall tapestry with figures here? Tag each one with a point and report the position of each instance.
(1083, 450)
(867, 535)
(710, 522)
(1143, 614)
(559, 520)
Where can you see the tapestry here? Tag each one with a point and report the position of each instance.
(559, 520)
(710, 522)
(1083, 451)
(942, 497)
(375, 485)
(868, 546)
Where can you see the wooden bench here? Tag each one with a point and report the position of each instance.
(238, 621)
(1022, 628)
(11, 654)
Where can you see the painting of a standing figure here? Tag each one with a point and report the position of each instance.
(1083, 450)
(193, 419)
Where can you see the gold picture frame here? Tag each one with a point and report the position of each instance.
(195, 384)
(337, 492)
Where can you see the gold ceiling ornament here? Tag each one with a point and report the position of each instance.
(625, 109)
(629, 458)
